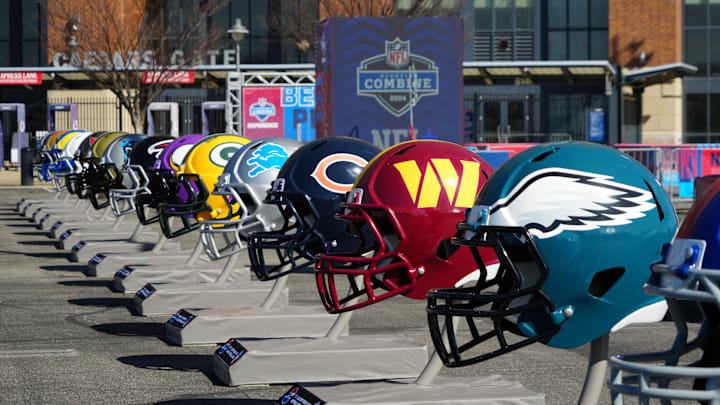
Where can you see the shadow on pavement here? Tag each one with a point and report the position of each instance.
(103, 302)
(217, 401)
(63, 255)
(177, 362)
(66, 267)
(38, 242)
(86, 283)
(131, 328)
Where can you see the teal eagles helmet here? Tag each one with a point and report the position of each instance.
(575, 226)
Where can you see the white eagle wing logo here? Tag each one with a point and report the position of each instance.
(550, 201)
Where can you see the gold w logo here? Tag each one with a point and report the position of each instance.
(424, 188)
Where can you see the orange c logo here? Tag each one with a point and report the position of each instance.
(320, 173)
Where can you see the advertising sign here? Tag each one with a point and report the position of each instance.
(377, 77)
(177, 76)
(281, 111)
(21, 78)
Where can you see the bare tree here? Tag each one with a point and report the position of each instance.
(119, 40)
(294, 19)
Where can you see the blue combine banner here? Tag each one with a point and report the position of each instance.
(376, 75)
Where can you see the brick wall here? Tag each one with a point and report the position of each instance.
(650, 26)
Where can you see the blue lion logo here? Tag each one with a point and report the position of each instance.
(269, 156)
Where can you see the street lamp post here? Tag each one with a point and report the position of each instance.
(237, 32)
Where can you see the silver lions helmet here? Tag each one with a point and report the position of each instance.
(243, 186)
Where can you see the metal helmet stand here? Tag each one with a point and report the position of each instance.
(54, 107)
(330, 358)
(174, 111)
(19, 109)
(214, 106)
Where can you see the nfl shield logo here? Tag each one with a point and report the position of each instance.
(396, 52)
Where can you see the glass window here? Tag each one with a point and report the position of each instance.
(4, 53)
(31, 53)
(240, 10)
(715, 52)
(483, 15)
(599, 45)
(557, 45)
(259, 9)
(578, 13)
(715, 112)
(491, 116)
(523, 14)
(503, 14)
(714, 12)
(558, 111)
(578, 45)
(221, 19)
(695, 50)
(557, 14)
(695, 113)
(30, 19)
(599, 13)
(4, 19)
(695, 13)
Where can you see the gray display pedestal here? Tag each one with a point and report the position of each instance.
(83, 252)
(184, 260)
(326, 359)
(166, 299)
(208, 326)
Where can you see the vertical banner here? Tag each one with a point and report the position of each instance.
(377, 77)
(689, 169)
(596, 126)
(262, 114)
(279, 111)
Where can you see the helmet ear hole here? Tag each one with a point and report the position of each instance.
(603, 281)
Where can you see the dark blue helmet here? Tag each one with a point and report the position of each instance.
(308, 190)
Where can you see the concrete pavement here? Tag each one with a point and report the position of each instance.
(66, 338)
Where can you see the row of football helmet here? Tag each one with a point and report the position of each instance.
(555, 246)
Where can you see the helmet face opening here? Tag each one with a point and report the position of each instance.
(223, 237)
(375, 271)
(163, 185)
(499, 302)
(292, 247)
(122, 200)
(177, 219)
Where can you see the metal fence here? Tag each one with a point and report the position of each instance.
(107, 114)
(677, 166)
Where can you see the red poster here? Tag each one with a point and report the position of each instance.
(262, 112)
(21, 78)
(177, 76)
(710, 161)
